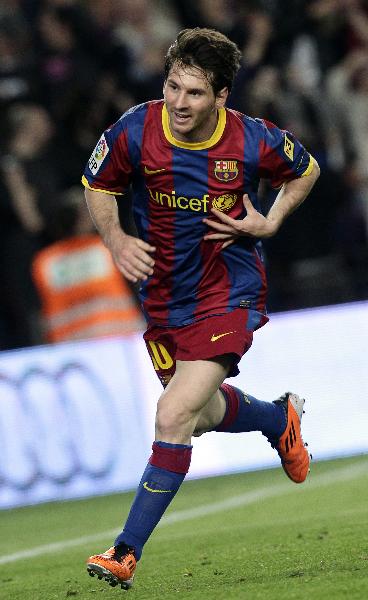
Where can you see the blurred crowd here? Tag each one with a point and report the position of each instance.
(69, 68)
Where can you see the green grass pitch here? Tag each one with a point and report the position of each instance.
(254, 535)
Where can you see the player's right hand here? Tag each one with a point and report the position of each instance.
(133, 257)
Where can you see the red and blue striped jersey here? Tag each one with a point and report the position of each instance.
(174, 185)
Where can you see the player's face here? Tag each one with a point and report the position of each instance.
(191, 104)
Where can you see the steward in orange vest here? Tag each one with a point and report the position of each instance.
(82, 292)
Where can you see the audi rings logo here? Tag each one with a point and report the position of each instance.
(55, 426)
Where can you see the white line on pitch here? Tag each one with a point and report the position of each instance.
(321, 480)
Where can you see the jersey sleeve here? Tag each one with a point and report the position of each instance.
(281, 156)
(109, 168)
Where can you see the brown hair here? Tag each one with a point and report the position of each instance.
(209, 50)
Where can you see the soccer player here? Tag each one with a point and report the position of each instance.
(194, 167)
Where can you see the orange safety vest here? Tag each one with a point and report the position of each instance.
(83, 295)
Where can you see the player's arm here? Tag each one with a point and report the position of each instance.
(132, 256)
(290, 196)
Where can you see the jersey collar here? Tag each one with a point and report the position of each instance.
(215, 137)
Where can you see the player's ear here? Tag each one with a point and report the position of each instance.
(221, 97)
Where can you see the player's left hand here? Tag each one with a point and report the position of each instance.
(228, 229)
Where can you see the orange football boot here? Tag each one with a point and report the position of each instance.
(295, 459)
(113, 568)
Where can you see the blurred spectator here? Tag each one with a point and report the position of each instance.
(41, 160)
(314, 258)
(66, 65)
(26, 171)
(81, 291)
(140, 35)
(17, 69)
(227, 16)
(347, 86)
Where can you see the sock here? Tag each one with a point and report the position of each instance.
(246, 413)
(164, 474)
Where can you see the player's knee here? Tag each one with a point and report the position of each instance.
(169, 420)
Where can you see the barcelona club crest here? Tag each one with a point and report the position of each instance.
(226, 170)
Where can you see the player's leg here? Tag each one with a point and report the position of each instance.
(279, 421)
(193, 387)
(178, 410)
(241, 412)
(179, 407)
(231, 409)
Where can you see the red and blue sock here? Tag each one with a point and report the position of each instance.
(164, 474)
(246, 413)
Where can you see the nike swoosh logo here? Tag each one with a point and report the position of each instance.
(214, 337)
(152, 172)
(145, 485)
